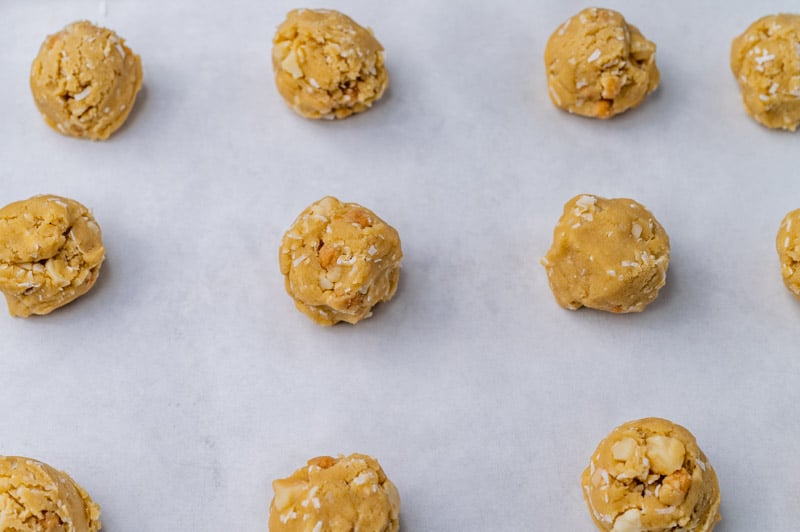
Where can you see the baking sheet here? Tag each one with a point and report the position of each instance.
(185, 382)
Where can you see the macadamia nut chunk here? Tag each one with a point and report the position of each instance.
(340, 260)
(326, 65)
(651, 475)
(766, 62)
(598, 65)
(85, 80)
(51, 250)
(335, 495)
(607, 254)
(788, 244)
(37, 498)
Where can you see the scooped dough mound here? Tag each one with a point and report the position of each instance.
(34, 497)
(51, 250)
(598, 65)
(651, 475)
(607, 254)
(84, 81)
(766, 62)
(336, 495)
(340, 260)
(788, 244)
(326, 65)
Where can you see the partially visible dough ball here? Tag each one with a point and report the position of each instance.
(766, 62)
(340, 260)
(788, 244)
(343, 494)
(607, 254)
(650, 475)
(37, 498)
(84, 81)
(326, 65)
(598, 65)
(51, 250)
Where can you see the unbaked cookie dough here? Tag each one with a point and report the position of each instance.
(788, 244)
(84, 81)
(51, 250)
(340, 260)
(766, 62)
(336, 495)
(34, 497)
(326, 65)
(651, 475)
(607, 254)
(598, 65)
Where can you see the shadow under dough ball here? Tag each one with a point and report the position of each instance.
(85, 80)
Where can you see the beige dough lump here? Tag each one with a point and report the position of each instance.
(326, 65)
(598, 65)
(336, 495)
(34, 497)
(650, 475)
(340, 260)
(607, 254)
(51, 250)
(84, 81)
(766, 62)
(788, 244)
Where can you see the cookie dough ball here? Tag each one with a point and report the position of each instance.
(37, 498)
(84, 81)
(651, 475)
(598, 65)
(766, 62)
(607, 254)
(335, 495)
(340, 260)
(326, 65)
(788, 244)
(50, 253)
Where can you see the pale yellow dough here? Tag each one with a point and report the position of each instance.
(607, 254)
(34, 497)
(85, 80)
(51, 250)
(650, 475)
(598, 65)
(344, 494)
(326, 65)
(340, 260)
(788, 244)
(766, 62)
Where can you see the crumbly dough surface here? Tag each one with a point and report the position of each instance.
(788, 244)
(766, 62)
(51, 250)
(340, 260)
(650, 475)
(598, 65)
(344, 494)
(607, 254)
(34, 497)
(326, 65)
(85, 80)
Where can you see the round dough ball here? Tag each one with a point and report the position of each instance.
(598, 65)
(766, 62)
(51, 250)
(650, 474)
(335, 495)
(340, 260)
(84, 81)
(788, 244)
(326, 65)
(607, 254)
(35, 497)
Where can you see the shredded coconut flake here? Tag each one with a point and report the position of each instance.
(83, 94)
(296, 262)
(594, 57)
